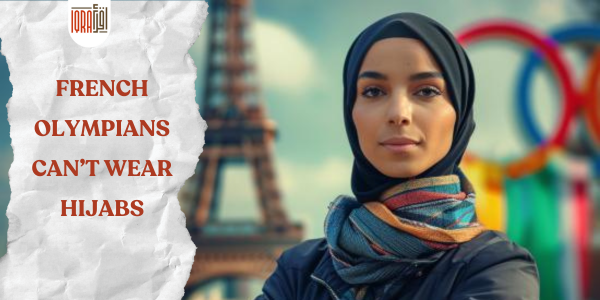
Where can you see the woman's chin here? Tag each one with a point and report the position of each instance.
(401, 170)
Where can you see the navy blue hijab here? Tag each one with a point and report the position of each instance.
(367, 182)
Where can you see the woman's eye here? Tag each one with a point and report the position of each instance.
(372, 92)
(428, 92)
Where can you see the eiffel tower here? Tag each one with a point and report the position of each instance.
(238, 132)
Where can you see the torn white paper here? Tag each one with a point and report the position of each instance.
(100, 243)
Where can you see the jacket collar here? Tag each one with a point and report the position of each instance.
(325, 275)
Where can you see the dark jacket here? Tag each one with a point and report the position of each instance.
(489, 266)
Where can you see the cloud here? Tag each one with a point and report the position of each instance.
(559, 12)
(285, 61)
(332, 174)
(551, 10)
(308, 189)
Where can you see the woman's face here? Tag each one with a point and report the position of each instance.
(403, 114)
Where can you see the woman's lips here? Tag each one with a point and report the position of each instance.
(399, 144)
(400, 148)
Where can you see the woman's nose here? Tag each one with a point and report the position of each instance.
(399, 109)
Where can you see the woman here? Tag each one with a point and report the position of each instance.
(411, 231)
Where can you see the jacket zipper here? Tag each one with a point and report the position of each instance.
(321, 281)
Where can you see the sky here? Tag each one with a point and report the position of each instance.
(300, 48)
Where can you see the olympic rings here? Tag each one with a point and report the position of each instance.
(549, 49)
(572, 101)
(580, 32)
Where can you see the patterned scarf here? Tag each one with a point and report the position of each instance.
(376, 243)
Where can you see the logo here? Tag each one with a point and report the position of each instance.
(89, 21)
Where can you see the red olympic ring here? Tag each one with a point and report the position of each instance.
(550, 51)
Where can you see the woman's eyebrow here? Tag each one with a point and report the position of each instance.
(413, 77)
(425, 75)
(372, 74)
